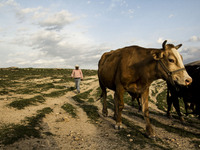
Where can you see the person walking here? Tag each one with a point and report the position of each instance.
(78, 76)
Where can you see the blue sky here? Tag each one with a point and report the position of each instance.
(63, 33)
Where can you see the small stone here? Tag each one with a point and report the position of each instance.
(130, 140)
(128, 135)
(172, 140)
(66, 119)
(76, 139)
(37, 128)
(60, 120)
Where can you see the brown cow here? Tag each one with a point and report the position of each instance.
(133, 69)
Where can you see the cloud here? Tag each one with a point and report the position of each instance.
(43, 17)
(9, 3)
(38, 41)
(129, 12)
(171, 15)
(194, 39)
(161, 40)
(58, 20)
(70, 47)
(115, 3)
(190, 54)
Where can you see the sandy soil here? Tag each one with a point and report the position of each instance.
(79, 133)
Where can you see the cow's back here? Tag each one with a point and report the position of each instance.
(126, 64)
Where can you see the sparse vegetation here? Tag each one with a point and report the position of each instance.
(91, 111)
(11, 133)
(161, 100)
(69, 108)
(56, 93)
(20, 104)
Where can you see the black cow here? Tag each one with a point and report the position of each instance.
(190, 94)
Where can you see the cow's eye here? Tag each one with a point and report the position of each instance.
(171, 60)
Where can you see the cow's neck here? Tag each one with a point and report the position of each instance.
(145, 77)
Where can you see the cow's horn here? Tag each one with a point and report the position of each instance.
(164, 43)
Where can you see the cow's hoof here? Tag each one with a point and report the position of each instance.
(150, 132)
(105, 113)
(152, 137)
(118, 127)
(169, 116)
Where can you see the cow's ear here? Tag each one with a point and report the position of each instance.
(178, 46)
(157, 54)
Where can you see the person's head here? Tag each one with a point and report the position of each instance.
(77, 67)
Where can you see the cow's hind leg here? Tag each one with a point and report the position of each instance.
(104, 96)
(105, 109)
(118, 107)
(149, 130)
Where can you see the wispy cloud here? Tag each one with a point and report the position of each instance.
(58, 20)
(190, 54)
(194, 39)
(171, 15)
(161, 40)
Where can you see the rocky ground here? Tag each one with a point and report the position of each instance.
(81, 125)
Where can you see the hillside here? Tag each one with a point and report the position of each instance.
(39, 109)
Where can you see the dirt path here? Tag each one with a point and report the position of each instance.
(59, 130)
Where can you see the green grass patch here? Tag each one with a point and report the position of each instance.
(58, 93)
(45, 86)
(91, 111)
(91, 100)
(4, 92)
(70, 109)
(11, 133)
(82, 96)
(77, 99)
(162, 100)
(98, 92)
(85, 95)
(26, 91)
(127, 99)
(22, 103)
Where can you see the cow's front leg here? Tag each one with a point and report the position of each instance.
(169, 104)
(149, 130)
(177, 107)
(119, 105)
